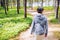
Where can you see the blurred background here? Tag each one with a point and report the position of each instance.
(16, 17)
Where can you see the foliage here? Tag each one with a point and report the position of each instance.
(1, 8)
(12, 24)
(48, 8)
(52, 18)
(52, 15)
(54, 21)
(45, 8)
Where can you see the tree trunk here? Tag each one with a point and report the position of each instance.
(5, 7)
(48, 2)
(3, 3)
(54, 3)
(57, 9)
(18, 6)
(42, 3)
(0, 2)
(7, 4)
(37, 3)
(30, 3)
(25, 8)
(11, 4)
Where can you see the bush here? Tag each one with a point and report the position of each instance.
(54, 21)
(13, 24)
(1, 8)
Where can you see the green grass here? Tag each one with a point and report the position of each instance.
(53, 19)
(12, 24)
(1, 8)
(48, 8)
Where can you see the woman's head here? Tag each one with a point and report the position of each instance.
(40, 10)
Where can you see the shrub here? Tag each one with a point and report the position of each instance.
(54, 21)
(13, 24)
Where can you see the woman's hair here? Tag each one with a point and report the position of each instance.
(40, 10)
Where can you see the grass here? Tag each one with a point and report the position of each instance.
(53, 19)
(1, 8)
(46, 8)
(12, 23)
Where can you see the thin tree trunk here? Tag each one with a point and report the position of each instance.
(42, 4)
(54, 4)
(3, 3)
(0, 2)
(57, 9)
(18, 6)
(7, 5)
(31, 4)
(5, 8)
(11, 4)
(48, 2)
(37, 3)
(25, 8)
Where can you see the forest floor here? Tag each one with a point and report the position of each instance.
(51, 29)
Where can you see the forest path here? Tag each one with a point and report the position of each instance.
(51, 29)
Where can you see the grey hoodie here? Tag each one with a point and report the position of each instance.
(39, 24)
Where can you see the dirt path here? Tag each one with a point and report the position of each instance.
(26, 34)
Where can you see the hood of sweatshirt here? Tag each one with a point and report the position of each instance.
(40, 16)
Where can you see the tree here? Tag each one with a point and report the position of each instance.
(37, 2)
(32, 4)
(25, 8)
(18, 6)
(57, 8)
(49, 1)
(42, 3)
(54, 3)
(29, 3)
(5, 6)
(3, 3)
